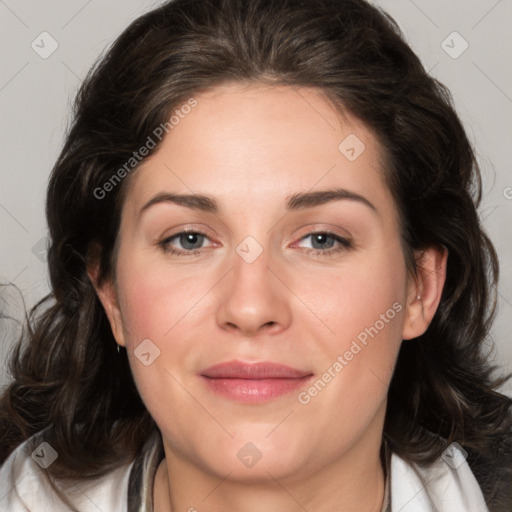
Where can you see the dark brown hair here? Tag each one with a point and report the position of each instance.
(67, 375)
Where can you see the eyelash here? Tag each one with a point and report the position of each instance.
(344, 244)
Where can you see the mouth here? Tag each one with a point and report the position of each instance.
(253, 382)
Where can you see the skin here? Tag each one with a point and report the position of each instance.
(251, 147)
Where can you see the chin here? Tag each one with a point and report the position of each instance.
(258, 460)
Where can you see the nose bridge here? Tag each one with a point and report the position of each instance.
(250, 268)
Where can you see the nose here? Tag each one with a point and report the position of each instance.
(252, 300)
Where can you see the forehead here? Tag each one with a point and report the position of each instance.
(254, 140)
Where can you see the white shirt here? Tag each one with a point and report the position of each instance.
(441, 487)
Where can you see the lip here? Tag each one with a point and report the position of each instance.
(253, 382)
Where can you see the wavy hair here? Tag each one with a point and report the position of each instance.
(67, 376)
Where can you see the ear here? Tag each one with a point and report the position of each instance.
(107, 295)
(424, 290)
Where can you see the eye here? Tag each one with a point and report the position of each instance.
(323, 243)
(187, 243)
(184, 243)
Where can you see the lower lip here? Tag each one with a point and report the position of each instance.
(255, 390)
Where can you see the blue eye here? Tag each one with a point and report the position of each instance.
(325, 243)
(191, 242)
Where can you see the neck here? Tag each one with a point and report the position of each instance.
(353, 482)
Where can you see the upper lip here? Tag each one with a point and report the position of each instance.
(253, 371)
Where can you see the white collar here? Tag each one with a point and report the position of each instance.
(438, 487)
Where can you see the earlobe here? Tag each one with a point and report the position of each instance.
(425, 290)
(108, 297)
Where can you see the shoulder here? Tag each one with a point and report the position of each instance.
(25, 484)
(446, 485)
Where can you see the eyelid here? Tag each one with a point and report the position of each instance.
(187, 228)
(164, 242)
(334, 231)
(344, 242)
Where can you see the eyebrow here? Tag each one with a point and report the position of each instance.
(303, 200)
(298, 201)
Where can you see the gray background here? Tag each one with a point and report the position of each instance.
(36, 93)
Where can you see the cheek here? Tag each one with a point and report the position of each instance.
(163, 306)
(369, 291)
(362, 308)
(159, 310)
(155, 302)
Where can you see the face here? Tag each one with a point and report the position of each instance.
(261, 289)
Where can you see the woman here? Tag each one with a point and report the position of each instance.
(270, 286)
